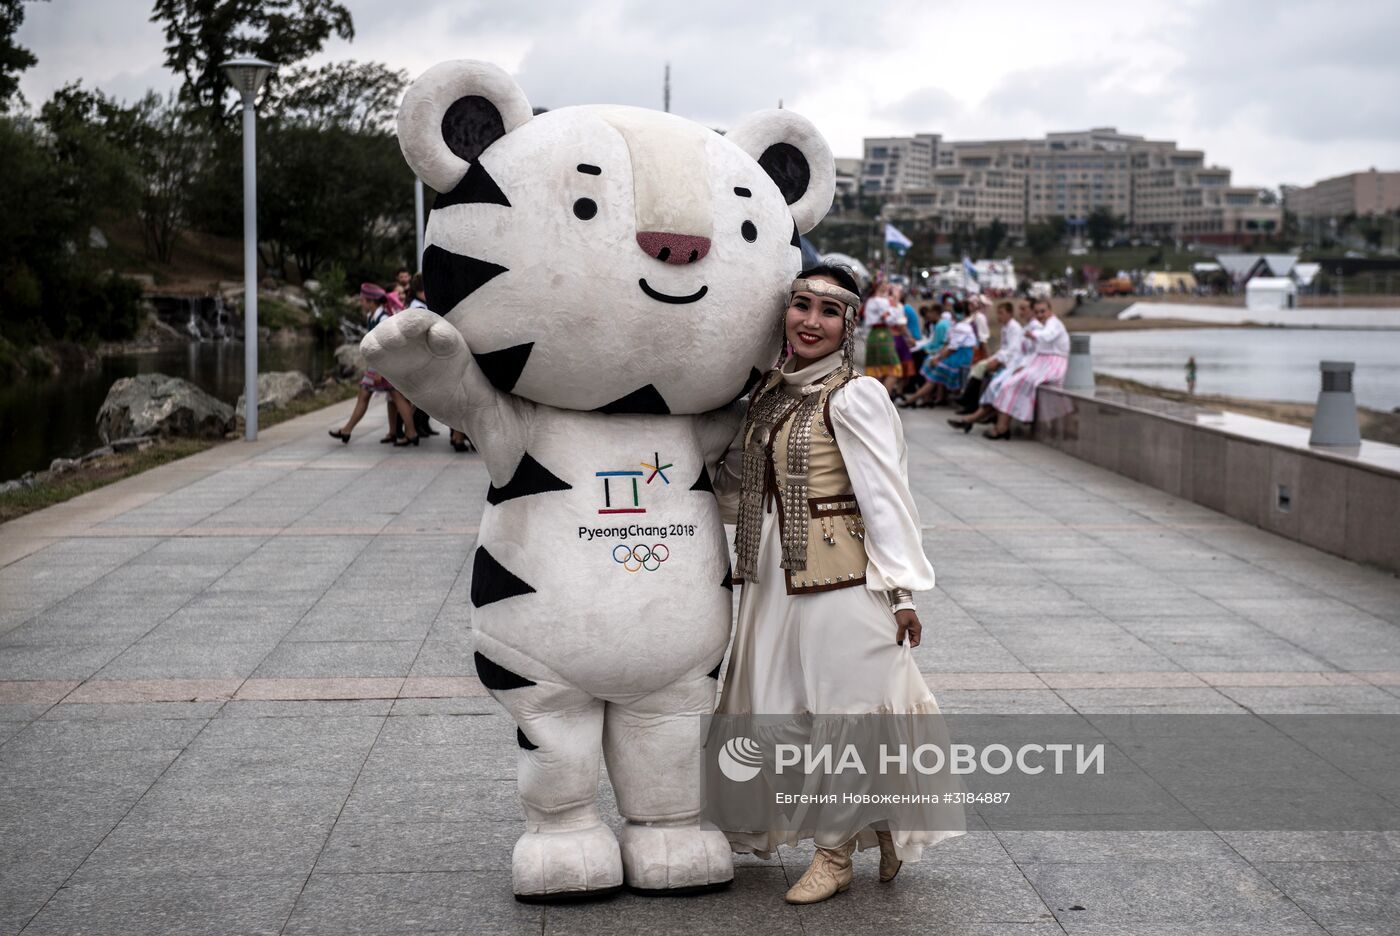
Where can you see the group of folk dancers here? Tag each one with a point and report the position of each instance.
(957, 367)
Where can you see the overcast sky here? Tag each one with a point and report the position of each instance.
(1277, 90)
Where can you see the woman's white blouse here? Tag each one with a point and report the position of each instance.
(1009, 345)
(1052, 338)
(962, 335)
(871, 439)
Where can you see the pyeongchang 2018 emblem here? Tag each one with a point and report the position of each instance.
(622, 489)
(641, 557)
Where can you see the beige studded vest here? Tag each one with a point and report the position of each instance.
(835, 531)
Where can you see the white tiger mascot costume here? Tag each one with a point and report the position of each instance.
(605, 283)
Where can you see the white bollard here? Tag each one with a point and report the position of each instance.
(1334, 422)
(1080, 373)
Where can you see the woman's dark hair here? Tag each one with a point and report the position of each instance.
(844, 276)
(415, 285)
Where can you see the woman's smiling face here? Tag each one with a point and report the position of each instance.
(815, 325)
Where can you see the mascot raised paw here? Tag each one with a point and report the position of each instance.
(604, 283)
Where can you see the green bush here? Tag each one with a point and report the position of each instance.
(276, 314)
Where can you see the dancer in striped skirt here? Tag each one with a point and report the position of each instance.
(1015, 398)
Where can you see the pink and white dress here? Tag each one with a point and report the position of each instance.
(1046, 364)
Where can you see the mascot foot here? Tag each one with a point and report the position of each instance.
(562, 865)
(672, 860)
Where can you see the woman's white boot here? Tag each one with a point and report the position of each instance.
(829, 874)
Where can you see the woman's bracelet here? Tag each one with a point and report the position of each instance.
(901, 599)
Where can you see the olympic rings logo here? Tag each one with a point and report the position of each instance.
(639, 557)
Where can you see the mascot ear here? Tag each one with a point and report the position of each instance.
(453, 112)
(795, 156)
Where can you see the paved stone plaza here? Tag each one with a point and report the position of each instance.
(236, 696)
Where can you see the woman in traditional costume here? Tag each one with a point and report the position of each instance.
(881, 351)
(1046, 362)
(829, 555)
(378, 305)
(946, 372)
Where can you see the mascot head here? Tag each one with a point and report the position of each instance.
(610, 258)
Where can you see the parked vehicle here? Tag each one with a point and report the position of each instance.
(1115, 286)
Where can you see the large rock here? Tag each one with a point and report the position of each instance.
(159, 405)
(349, 361)
(279, 388)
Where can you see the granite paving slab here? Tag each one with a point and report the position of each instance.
(346, 772)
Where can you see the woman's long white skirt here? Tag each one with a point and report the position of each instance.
(825, 653)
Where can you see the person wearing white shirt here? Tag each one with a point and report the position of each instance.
(1046, 364)
(1022, 363)
(946, 371)
(829, 552)
(984, 331)
(983, 370)
(881, 355)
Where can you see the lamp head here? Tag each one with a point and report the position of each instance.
(247, 75)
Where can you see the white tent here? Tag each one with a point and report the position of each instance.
(1241, 267)
(1264, 293)
(996, 274)
(1305, 273)
(1280, 264)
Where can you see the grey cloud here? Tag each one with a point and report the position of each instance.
(1278, 89)
(923, 109)
(1074, 97)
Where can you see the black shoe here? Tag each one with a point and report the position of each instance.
(344, 437)
(462, 447)
(962, 424)
(403, 443)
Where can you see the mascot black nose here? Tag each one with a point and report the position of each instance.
(673, 248)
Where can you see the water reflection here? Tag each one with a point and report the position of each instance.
(57, 418)
(1255, 363)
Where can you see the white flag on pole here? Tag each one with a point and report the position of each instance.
(895, 239)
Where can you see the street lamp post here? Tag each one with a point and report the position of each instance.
(418, 223)
(247, 76)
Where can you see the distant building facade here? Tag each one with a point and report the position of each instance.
(847, 176)
(1157, 188)
(1357, 193)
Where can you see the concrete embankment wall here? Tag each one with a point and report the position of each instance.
(1329, 501)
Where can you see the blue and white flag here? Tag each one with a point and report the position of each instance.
(896, 241)
(969, 268)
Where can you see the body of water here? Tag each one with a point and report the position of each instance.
(1255, 363)
(41, 420)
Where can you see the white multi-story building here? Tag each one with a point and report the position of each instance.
(1358, 193)
(1158, 189)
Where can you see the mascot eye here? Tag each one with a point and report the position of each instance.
(585, 208)
(749, 231)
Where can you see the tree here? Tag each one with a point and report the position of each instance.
(963, 238)
(13, 58)
(95, 174)
(991, 237)
(334, 186)
(117, 158)
(1371, 231)
(1101, 225)
(49, 287)
(170, 152)
(201, 34)
(1041, 238)
(361, 97)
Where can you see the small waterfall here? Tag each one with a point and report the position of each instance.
(203, 318)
